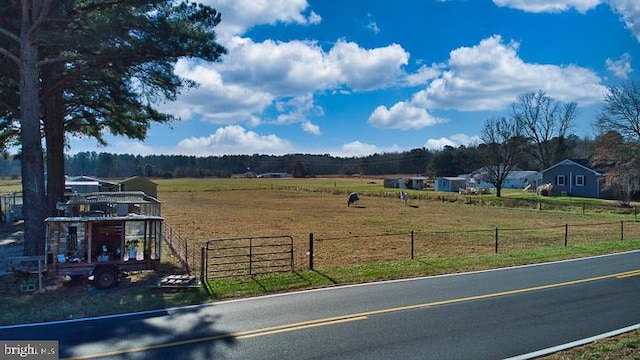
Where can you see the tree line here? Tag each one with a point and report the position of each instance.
(449, 161)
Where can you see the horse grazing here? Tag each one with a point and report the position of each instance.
(353, 197)
(404, 197)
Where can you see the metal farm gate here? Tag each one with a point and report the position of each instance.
(232, 257)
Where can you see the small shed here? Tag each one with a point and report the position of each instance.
(391, 183)
(411, 182)
(139, 183)
(450, 184)
(415, 182)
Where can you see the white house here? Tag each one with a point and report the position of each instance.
(517, 179)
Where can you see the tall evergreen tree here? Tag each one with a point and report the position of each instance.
(87, 67)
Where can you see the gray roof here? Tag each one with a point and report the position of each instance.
(118, 197)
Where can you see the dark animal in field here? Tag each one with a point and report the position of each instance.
(353, 197)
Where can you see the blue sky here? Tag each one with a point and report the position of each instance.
(357, 77)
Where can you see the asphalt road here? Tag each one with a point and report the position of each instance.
(494, 314)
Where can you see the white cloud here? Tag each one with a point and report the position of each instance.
(629, 10)
(279, 68)
(297, 109)
(371, 25)
(490, 75)
(234, 139)
(621, 67)
(255, 76)
(357, 148)
(553, 6)
(404, 116)
(311, 128)
(367, 69)
(423, 75)
(240, 15)
(454, 141)
(215, 100)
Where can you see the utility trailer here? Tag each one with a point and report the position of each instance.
(102, 248)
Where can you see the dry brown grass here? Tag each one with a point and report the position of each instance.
(377, 228)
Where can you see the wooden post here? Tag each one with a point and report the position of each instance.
(496, 240)
(310, 251)
(202, 264)
(412, 247)
(566, 234)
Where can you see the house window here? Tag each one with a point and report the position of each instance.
(560, 180)
(579, 180)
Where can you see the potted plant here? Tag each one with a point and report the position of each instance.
(132, 248)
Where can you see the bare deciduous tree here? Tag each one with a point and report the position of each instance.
(545, 121)
(501, 145)
(621, 111)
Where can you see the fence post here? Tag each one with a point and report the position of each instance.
(496, 240)
(412, 244)
(566, 234)
(621, 230)
(310, 251)
(186, 256)
(250, 256)
(202, 264)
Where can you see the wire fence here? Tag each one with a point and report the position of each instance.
(187, 253)
(360, 249)
(353, 249)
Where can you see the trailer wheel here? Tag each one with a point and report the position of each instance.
(105, 277)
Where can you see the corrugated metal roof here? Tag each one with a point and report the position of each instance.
(123, 197)
(78, 219)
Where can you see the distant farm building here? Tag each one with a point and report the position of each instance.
(412, 182)
(85, 184)
(450, 184)
(272, 175)
(516, 179)
(139, 183)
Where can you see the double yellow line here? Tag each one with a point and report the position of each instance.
(351, 317)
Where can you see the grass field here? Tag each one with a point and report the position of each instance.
(366, 242)
(378, 228)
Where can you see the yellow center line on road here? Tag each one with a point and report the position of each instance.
(301, 327)
(628, 274)
(350, 317)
